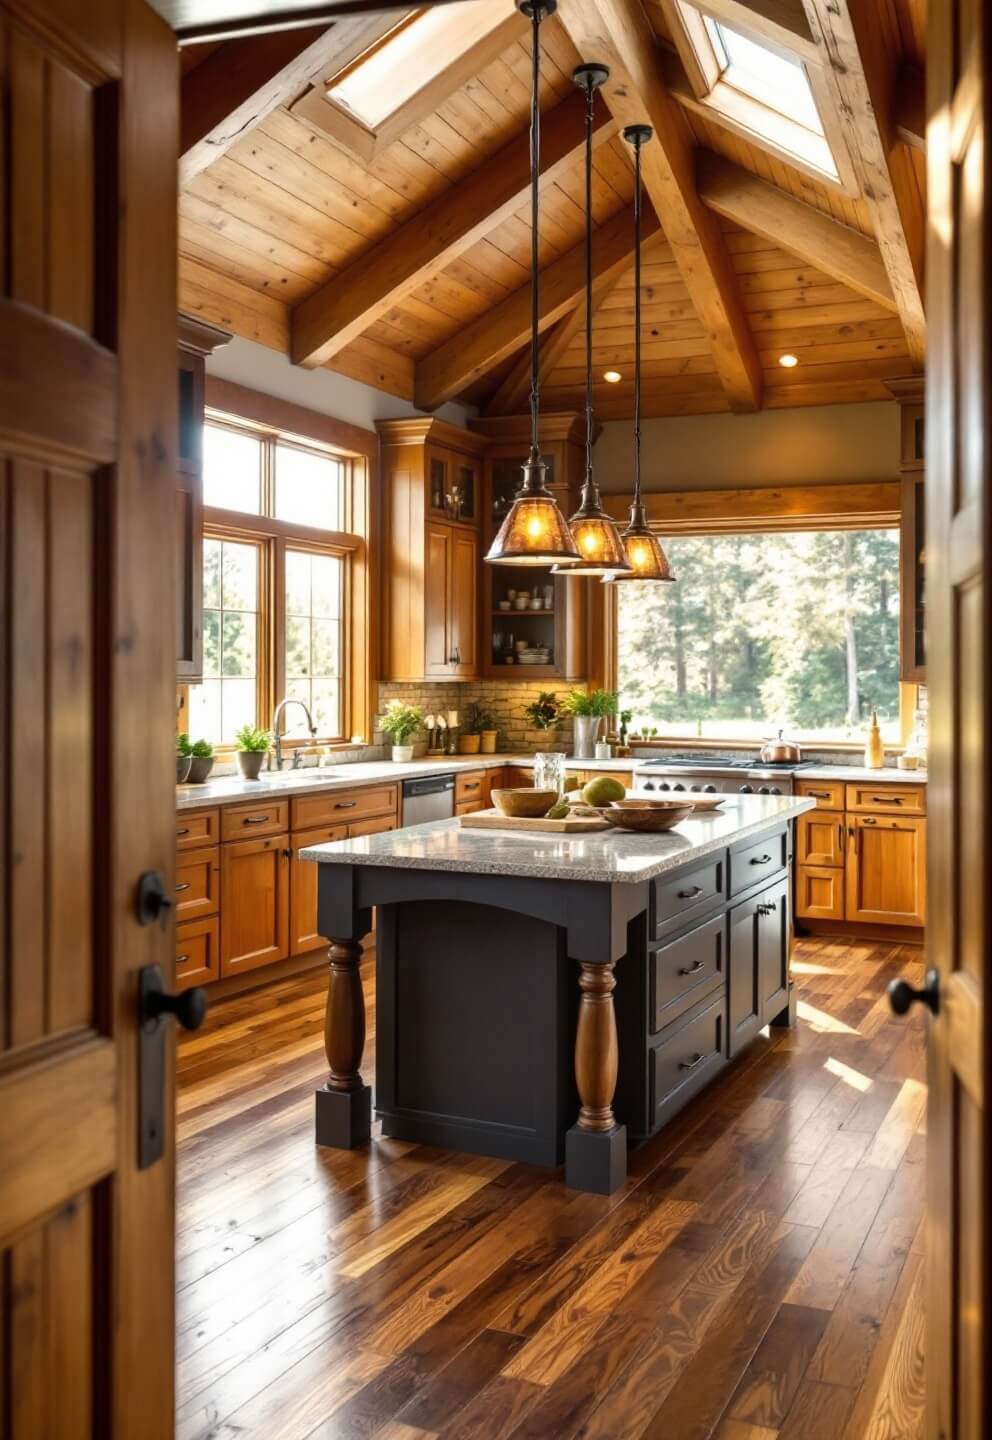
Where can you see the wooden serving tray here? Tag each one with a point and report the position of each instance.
(493, 820)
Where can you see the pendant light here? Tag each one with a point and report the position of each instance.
(535, 531)
(645, 556)
(596, 535)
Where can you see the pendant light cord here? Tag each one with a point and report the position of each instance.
(637, 322)
(590, 110)
(535, 177)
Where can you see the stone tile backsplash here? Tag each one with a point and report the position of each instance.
(507, 700)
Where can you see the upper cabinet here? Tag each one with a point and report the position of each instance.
(197, 340)
(912, 537)
(533, 622)
(432, 493)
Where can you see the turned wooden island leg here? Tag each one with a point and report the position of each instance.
(596, 1146)
(344, 1104)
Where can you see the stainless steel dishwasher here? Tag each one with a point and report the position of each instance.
(432, 798)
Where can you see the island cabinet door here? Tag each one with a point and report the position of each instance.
(743, 976)
(774, 933)
(303, 933)
(254, 903)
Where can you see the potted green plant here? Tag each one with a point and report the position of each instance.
(543, 713)
(478, 732)
(184, 758)
(625, 718)
(253, 746)
(202, 755)
(588, 709)
(399, 723)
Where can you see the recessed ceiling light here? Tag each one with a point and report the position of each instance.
(612, 376)
(789, 361)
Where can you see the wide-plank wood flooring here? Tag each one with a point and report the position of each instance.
(759, 1275)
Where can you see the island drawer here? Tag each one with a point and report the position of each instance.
(684, 1062)
(197, 952)
(678, 901)
(881, 799)
(250, 822)
(469, 785)
(828, 794)
(682, 972)
(342, 807)
(198, 884)
(197, 828)
(751, 864)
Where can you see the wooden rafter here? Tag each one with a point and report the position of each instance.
(241, 82)
(499, 332)
(763, 208)
(617, 33)
(348, 304)
(858, 43)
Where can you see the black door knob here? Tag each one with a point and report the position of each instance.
(902, 995)
(189, 1007)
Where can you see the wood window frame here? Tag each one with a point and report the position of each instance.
(698, 84)
(276, 419)
(871, 505)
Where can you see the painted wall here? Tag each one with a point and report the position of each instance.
(246, 363)
(821, 444)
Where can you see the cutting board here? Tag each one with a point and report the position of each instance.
(493, 820)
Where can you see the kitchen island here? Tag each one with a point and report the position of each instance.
(485, 1043)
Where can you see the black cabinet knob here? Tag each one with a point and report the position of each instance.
(902, 995)
(189, 1007)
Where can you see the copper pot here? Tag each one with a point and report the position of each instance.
(776, 752)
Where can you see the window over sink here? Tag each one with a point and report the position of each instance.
(798, 629)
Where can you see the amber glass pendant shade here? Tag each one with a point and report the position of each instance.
(645, 555)
(598, 543)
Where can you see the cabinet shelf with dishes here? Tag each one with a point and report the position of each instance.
(534, 622)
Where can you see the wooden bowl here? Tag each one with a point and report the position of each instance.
(648, 819)
(523, 804)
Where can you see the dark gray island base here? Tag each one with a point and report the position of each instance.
(485, 1042)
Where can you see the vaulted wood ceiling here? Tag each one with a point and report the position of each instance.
(409, 269)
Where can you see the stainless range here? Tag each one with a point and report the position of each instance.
(713, 774)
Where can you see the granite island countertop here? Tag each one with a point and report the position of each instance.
(605, 857)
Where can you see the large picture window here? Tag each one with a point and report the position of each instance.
(794, 629)
(277, 578)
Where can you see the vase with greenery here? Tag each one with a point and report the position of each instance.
(253, 746)
(184, 758)
(400, 722)
(588, 709)
(625, 718)
(202, 761)
(478, 731)
(543, 713)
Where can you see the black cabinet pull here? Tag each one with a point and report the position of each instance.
(345, 804)
(254, 819)
(819, 794)
(840, 833)
(887, 799)
(181, 959)
(759, 859)
(691, 1064)
(691, 969)
(690, 894)
(183, 885)
(184, 831)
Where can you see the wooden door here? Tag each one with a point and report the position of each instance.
(886, 870)
(437, 589)
(189, 520)
(303, 933)
(87, 635)
(959, 621)
(254, 881)
(820, 838)
(463, 603)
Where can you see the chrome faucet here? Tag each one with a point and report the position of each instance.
(277, 738)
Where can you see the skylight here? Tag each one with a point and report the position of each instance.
(385, 78)
(765, 75)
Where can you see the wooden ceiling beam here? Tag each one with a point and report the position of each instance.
(617, 32)
(499, 332)
(796, 227)
(860, 46)
(241, 82)
(349, 303)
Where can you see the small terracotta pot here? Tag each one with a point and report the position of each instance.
(250, 763)
(469, 744)
(488, 739)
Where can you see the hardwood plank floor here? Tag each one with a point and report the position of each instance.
(758, 1276)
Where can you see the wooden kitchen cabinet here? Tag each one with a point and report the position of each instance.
(887, 870)
(303, 933)
(254, 903)
(820, 838)
(198, 883)
(758, 963)
(197, 952)
(819, 892)
(912, 530)
(432, 488)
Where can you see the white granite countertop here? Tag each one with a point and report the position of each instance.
(607, 856)
(890, 775)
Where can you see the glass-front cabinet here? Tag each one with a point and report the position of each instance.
(533, 622)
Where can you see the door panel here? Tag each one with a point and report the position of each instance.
(464, 607)
(87, 462)
(886, 870)
(820, 839)
(254, 903)
(959, 623)
(819, 893)
(304, 935)
(743, 981)
(774, 932)
(437, 638)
